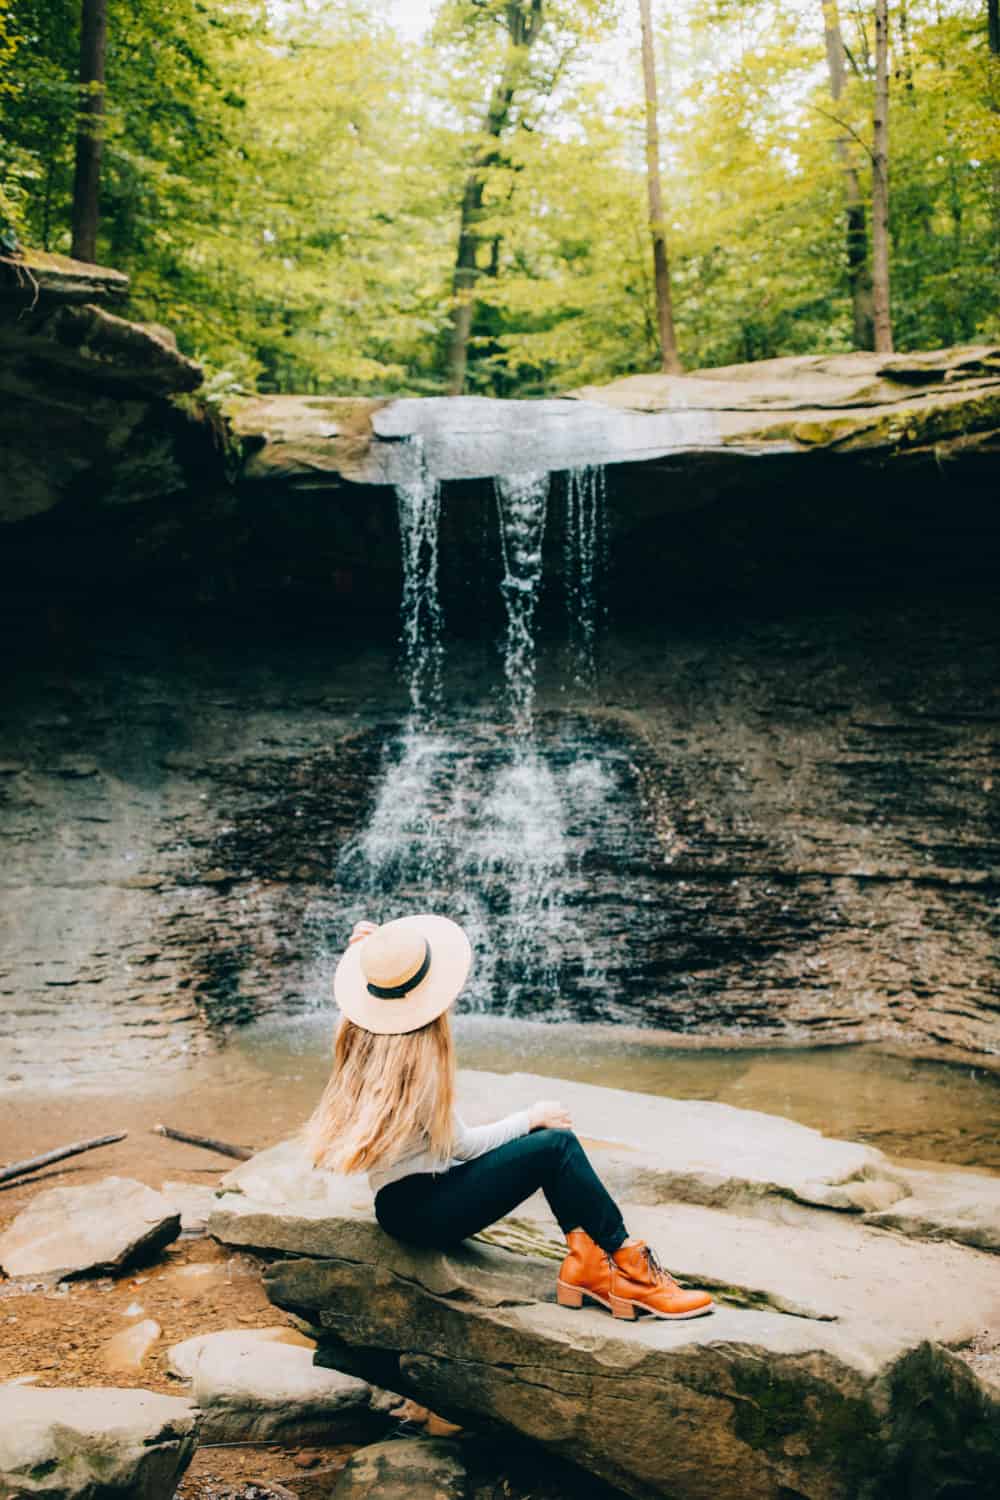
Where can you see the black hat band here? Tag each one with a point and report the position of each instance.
(400, 991)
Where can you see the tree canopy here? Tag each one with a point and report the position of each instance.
(286, 182)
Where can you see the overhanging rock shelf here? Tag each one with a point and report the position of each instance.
(91, 418)
(946, 403)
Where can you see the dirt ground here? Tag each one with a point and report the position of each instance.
(60, 1337)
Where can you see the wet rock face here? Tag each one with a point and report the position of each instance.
(776, 815)
(784, 829)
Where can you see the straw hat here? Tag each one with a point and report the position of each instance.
(403, 975)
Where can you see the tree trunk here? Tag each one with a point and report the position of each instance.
(669, 359)
(523, 20)
(880, 184)
(905, 71)
(993, 41)
(89, 136)
(858, 273)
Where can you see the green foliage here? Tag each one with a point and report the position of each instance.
(282, 182)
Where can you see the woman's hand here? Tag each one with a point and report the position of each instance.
(549, 1114)
(361, 930)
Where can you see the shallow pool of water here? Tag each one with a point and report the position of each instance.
(908, 1107)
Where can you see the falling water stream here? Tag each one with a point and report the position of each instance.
(419, 506)
(585, 557)
(491, 820)
(522, 505)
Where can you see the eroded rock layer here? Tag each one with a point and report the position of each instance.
(799, 834)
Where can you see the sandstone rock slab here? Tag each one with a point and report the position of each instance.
(695, 1149)
(828, 1363)
(410, 1469)
(793, 404)
(960, 1206)
(40, 275)
(838, 1398)
(252, 1389)
(652, 1150)
(96, 1229)
(195, 1202)
(94, 1444)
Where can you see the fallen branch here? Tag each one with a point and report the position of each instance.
(18, 1168)
(241, 1153)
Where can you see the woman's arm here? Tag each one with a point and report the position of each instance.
(475, 1140)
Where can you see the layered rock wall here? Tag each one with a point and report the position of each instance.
(799, 681)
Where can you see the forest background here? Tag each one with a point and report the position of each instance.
(286, 182)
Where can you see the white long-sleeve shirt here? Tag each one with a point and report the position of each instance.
(469, 1141)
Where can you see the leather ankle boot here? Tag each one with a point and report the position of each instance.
(586, 1272)
(639, 1282)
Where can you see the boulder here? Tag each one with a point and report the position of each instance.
(182, 1358)
(653, 1150)
(409, 1469)
(91, 1230)
(257, 1389)
(95, 1444)
(825, 1371)
(831, 1367)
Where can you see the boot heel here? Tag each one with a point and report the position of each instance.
(622, 1308)
(568, 1296)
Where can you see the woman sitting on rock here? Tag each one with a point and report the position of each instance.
(388, 1110)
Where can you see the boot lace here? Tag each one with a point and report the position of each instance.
(656, 1270)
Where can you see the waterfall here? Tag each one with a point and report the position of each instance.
(583, 559)
(522, 501)
(501, 837)
(418, 502)
(494, 829)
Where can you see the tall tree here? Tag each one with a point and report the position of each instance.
(993, 95)
(89, 130)
(523, 21)
(858, 272)
(880, 184)
(669, 358)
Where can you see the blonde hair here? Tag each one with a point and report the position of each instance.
(385, 1093)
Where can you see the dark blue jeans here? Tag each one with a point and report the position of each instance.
(443, 1208)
